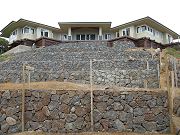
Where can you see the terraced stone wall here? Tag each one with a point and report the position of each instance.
(10, 112)
(58, 111)
(61, 111)
(131, 111)
(120, 65)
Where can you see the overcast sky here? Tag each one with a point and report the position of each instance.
(51, 12)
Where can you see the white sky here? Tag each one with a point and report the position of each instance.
(51, 12)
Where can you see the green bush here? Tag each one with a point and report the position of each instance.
(3, 45)
(4, 57)
(173, 51)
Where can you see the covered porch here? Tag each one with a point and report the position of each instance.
(85, 30)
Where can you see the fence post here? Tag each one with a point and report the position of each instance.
(29, 79)
(145, 84)
(175, 73)
(169, 93)
(91, 83)
(23, 97)
(158, 69)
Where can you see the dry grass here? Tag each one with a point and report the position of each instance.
(176, 92)
(88, 133)
(176, 122)
(51, 85)
(54, 85)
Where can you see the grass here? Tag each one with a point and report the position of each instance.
(174, 52)
(4, 57)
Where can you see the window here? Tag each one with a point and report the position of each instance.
(65, 37)
(93, 37)
(44, 33)
(32, 31)
(90, 37)
(107, 36)
(69, 37)
(117, 34)
(151, 30)
(14, 32)
(26, 30)
(138, 30)
(126, 32)
(144, 28)
(78, 37)
(169, 39)
(83, 37)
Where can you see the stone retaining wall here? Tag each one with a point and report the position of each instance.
(71, 62)
(58, 111)
(122, 72)
(131, 111)
(70, 111)
(10, 112)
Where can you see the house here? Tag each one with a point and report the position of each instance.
(28, 32)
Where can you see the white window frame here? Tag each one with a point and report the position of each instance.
(125, 30)
(44, 31)
(138, 31)
(24, 32)
(30, 30)
(86, 35)
(170, 39)
(14, 33)
(80, 37)
(90, 36)
(117, 34)
(65, 36)
(107, 36)
(140, 28)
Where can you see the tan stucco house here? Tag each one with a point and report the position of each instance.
(29, 31)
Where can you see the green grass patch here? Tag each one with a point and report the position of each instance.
(4, 57)
(173, 51)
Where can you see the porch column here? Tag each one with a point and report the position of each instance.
(69, 34)
(120, 32)
(100, 33)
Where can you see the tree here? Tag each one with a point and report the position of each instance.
(3, 45)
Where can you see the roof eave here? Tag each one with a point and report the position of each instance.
(174, 34)
(5, 32)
